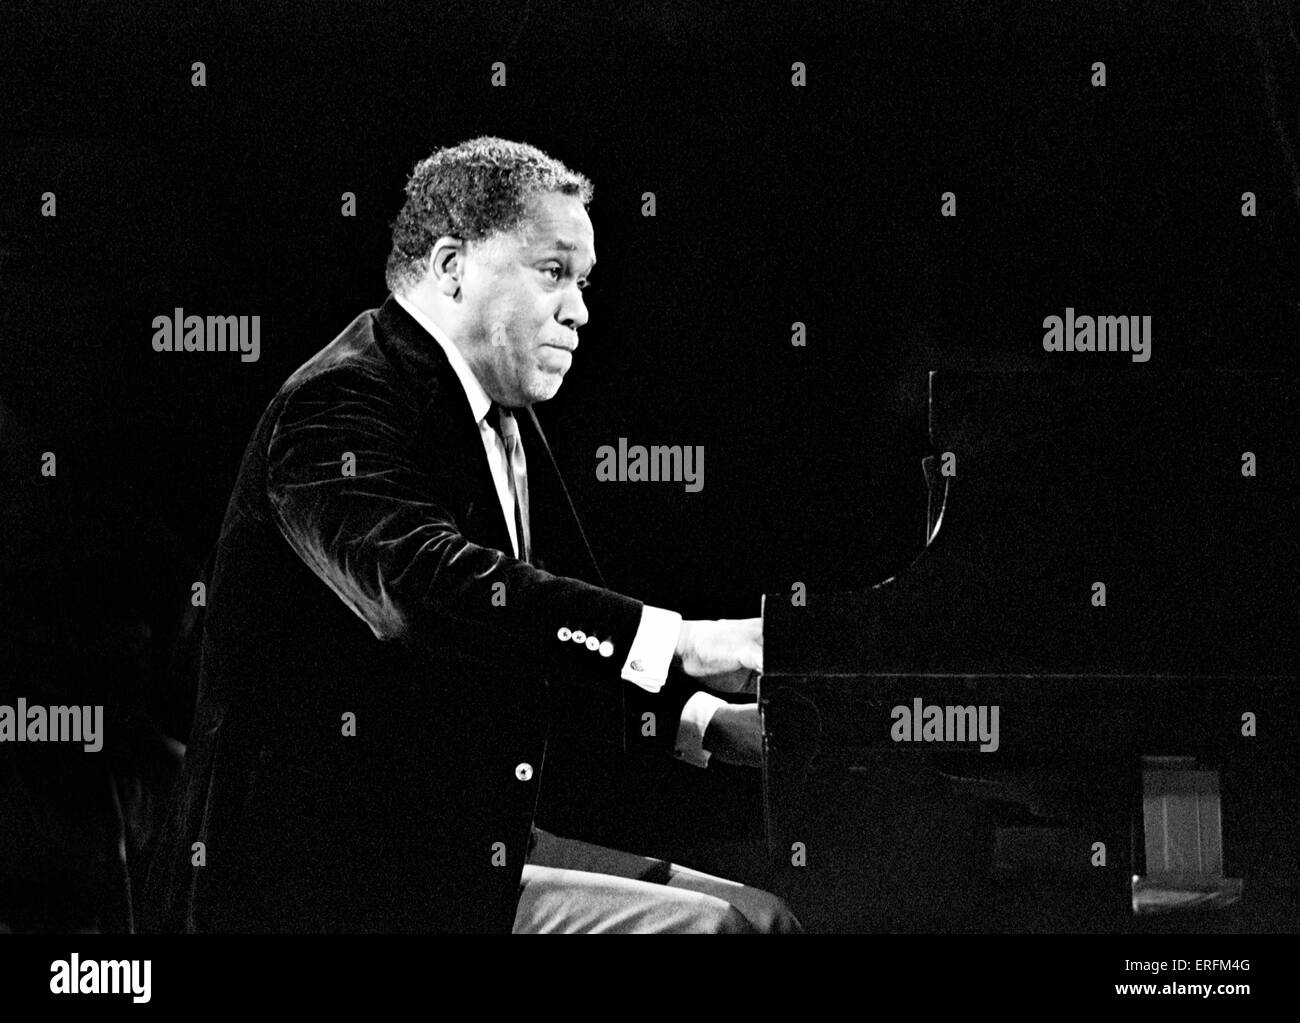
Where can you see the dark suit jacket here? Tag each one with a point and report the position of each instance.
(369, 598)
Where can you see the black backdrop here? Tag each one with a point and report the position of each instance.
(775, 204)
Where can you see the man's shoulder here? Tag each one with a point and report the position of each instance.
(370, 376)
(351, 369)
(381, 352)
(354, 355)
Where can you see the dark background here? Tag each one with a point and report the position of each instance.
(775, 204)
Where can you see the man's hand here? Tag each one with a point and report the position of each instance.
(735, 735)
(723, 655)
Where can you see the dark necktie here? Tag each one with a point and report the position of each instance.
(503, 421)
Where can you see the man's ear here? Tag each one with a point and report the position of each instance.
(447, 265)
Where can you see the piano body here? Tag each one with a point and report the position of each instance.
(1079, 702)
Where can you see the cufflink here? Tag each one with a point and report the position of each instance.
(607, 649)
(579, 636)
(636, 666)
(524, 772)
(564, 635)
(593, 644)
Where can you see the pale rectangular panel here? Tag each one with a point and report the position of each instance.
(1182, 824)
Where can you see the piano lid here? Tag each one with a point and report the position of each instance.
(1137, 481)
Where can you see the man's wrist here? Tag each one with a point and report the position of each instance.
(696, 719)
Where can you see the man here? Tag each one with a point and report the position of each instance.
(388, 622)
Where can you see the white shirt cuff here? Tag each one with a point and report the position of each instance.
(696, 716)
(652, 649)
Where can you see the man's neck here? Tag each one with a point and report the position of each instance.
(477, 394)
(434, 312)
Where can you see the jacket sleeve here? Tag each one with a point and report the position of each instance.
(382, 533)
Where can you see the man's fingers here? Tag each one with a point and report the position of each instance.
(754, 648)
(709, 650)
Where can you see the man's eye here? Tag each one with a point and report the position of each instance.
(555, 270)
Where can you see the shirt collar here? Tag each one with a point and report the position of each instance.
(479, 402)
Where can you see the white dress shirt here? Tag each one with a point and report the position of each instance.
(651, 653)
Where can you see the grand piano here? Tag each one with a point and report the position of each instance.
(1109, 560)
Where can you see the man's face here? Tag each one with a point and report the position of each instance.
(523, 301)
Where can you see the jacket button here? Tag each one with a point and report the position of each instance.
(607, 649)
(524, 772)
(579, 636)
(564, 635)
(592, 644)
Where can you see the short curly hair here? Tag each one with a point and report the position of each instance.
(471, 191)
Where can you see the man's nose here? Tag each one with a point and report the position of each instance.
(573, 310)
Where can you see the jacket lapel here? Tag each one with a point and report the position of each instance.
(558, 545)
(557, 533)
(447, 422)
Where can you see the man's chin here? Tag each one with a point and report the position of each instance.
(544, 387)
